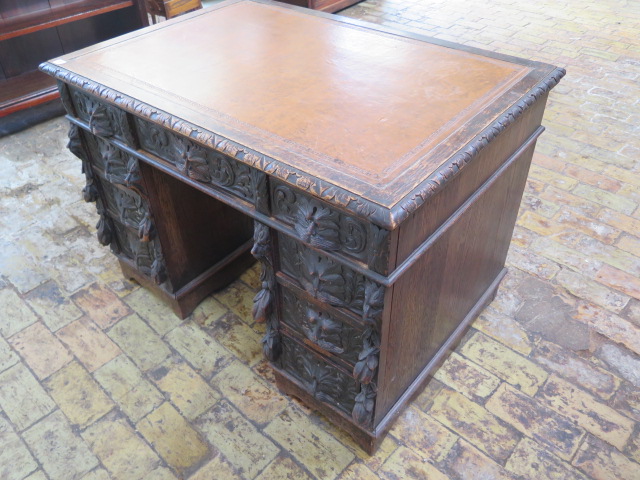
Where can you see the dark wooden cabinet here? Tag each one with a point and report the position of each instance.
(383, 173)
(330, 6)
(32, 31)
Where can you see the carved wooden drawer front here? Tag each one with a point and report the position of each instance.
(326, 228)
(104, 120)
(322, 277)
(321, 379)
(125, 219)
(321, 328)
(146, 256)
(113, 164)
(202, 164)
(127, 207)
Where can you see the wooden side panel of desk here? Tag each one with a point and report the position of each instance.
(436, 293)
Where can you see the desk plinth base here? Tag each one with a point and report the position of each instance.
(187, 298)
(368, 440)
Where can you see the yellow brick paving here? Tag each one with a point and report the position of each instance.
(98, 380)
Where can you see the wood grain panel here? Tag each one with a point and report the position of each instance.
(24, 54)
(196, 230)
(439, 289)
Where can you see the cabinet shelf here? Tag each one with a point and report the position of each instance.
(30, 89)
(54, 16)
(36, 30)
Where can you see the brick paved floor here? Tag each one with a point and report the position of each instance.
(98, 380)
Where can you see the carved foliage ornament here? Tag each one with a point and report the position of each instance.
(366, 368)
(89, 192)
(99, 122)
(146, 256)
(322, 380)
(263, 301)
(202, 165)
(325, 279)
(148, 259)
(319, 225)
(328, 192)
(316, 224)
(105, 229)
(323, 330)
(104, 120)
(316, 187)
(364, 405)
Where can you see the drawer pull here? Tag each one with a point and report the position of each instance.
(323, 331)
(317, 225)
(191, 160)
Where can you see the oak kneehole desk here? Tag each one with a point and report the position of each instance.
(375, 175)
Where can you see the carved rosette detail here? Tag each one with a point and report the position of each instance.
(353, 236)
(284, 201)
(263, 301)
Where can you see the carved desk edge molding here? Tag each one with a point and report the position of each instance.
(381, 216)
(452, 167)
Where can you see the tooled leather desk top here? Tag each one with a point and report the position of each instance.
(331, 101)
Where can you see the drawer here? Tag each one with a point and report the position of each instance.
(325, 227)
(113, 164)
(145, 256)
(323, 278)
(202, 164)
(104, 120)
(324, 330)
(319, 377)
(126, 206)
